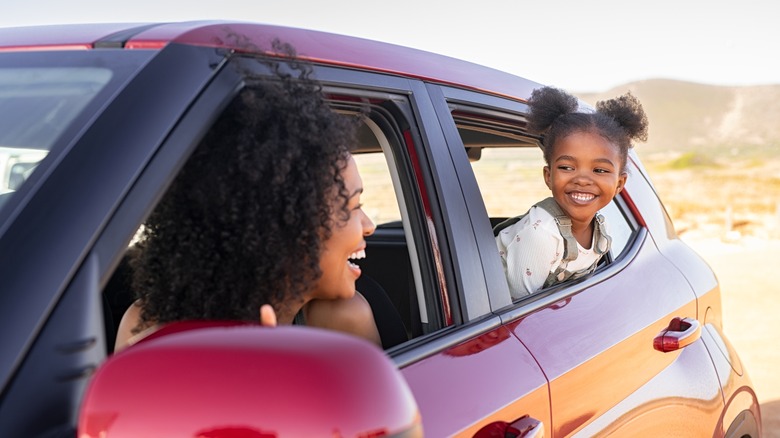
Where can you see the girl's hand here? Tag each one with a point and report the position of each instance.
(267, 316)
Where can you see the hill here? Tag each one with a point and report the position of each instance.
(719, 121)
(713, 153)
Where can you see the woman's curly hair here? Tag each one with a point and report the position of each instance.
(243, 223)
(554, 114)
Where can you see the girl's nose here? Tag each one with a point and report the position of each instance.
(582, 178)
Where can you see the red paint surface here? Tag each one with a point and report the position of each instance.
(245, 380)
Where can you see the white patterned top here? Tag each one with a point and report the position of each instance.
(532, 248)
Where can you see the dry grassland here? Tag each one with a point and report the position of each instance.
(731, 216)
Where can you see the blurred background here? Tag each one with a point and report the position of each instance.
(706, 72)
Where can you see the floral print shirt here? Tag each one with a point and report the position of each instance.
(532, 248)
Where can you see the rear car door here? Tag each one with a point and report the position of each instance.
(467, 372)
(593, 338)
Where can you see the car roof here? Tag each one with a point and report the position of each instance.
(316, 46)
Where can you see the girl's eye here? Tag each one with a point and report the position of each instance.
(359, 206)
(565, 168)
(601, 170)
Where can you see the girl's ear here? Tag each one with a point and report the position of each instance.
(547, 177)
(621, 182)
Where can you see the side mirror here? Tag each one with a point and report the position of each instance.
(216, 379)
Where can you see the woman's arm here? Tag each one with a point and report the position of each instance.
(352, 315)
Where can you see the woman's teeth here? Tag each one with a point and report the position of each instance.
(357, 255)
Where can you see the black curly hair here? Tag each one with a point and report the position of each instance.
(554, 114)
(243, 223)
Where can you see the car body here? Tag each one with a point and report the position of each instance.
(99, 118)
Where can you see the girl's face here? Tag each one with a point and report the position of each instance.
(584, 175)
(345, 243)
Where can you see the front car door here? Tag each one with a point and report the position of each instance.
(50, 305)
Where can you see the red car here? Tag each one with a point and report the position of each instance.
(95, 121)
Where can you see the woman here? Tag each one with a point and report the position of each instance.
(266, 214)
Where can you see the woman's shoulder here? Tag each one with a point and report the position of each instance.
(130, 329)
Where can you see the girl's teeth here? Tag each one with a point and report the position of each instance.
(582, 196)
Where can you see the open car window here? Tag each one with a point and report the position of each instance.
(398, 277)
(508, 165)
(399, 265)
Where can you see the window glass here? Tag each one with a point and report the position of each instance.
(36, 106)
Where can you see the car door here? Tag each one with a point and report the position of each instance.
(595, 339)
(459, 361)
(467, 372)
(51, 306)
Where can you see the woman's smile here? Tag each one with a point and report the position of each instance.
(357, 255)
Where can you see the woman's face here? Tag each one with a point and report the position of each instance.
(346, 242)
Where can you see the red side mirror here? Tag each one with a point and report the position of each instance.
(225, 380)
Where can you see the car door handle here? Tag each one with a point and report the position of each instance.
(680, 333)
(523, 427)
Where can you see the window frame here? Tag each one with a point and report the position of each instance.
(506, 109)
(422, 170)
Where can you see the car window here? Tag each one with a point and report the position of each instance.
(398, 277)
(510, 180)
(398, 264)
(46, 102)
(36, 105)
(508, 166)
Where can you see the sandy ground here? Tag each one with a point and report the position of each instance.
(750, 285)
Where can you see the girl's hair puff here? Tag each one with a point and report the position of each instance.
(554, 115)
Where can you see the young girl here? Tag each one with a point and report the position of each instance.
(564, 237)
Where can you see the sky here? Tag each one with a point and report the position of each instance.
(578, 45)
